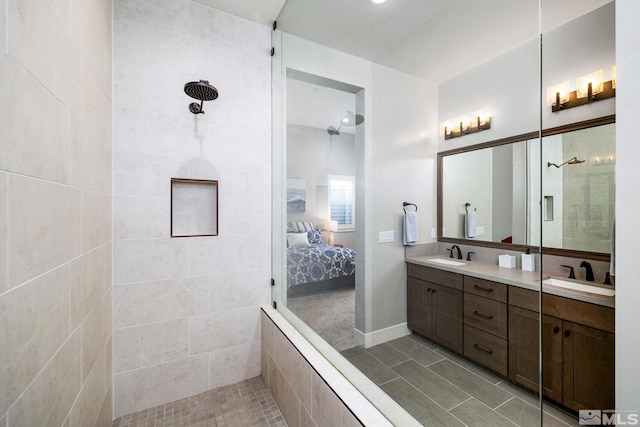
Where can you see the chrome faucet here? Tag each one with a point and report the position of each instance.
(459, 251)
(586, 265)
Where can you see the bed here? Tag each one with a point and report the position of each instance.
(312, 265)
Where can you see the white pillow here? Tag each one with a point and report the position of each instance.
(297, 240)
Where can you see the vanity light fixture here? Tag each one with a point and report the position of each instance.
(465, 126)
(589, 88)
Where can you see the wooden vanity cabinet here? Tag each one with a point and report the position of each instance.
(588, 352)
(577, 359)
(434, 305)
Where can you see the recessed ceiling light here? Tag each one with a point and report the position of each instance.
(376, 2)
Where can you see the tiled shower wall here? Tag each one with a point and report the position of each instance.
(55, 213)
(186, 310)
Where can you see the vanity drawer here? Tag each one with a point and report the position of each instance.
(485, 314)
(485, 288)
(524, 298)
(486, 349)
(434, 275)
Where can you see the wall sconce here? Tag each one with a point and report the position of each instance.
(466, 126)
(589, 88)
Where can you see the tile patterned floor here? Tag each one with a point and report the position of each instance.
(247, 403)
(441, 389)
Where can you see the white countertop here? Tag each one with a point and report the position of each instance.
(513, 277)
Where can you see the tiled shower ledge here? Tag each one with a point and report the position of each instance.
(358, 404)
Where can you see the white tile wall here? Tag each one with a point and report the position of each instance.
(188, 305)
(46, 213)
(154, 385)
(3, 234)
(34, 323)
(3, 33)
(55, 212)
(163, 300)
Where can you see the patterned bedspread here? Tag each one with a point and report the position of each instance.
(318, 262)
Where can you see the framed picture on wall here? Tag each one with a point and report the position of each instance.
(296, 196)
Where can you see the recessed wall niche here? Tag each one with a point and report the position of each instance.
(194, 207)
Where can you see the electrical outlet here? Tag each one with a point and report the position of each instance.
(385, 236)
(480, 231)
(433, 233)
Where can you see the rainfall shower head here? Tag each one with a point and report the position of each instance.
(350, 119)
(571, 161)
(201, 91)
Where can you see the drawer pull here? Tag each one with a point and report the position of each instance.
(481, 348)
(484, 316)
(482, 288)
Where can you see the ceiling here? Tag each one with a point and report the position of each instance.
(431, 39)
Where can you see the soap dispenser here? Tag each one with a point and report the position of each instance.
(528, 261)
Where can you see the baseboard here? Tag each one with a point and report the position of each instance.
(381, 335)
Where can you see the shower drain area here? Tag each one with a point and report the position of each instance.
(247, 403)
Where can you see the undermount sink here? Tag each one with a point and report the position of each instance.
(447, 261)
(577, 286)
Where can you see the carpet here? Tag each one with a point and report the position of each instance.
(330, 314)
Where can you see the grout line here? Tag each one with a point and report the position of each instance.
(464, 401)
(508, 400)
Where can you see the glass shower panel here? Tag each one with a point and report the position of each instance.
(406, 68)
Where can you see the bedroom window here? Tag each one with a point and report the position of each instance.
(342, 200)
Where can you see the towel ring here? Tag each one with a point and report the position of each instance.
(409, 204)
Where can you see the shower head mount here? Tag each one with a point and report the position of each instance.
(571, 161)
(202, 91)
(350, 119)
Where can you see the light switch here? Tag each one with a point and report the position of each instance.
(385, 236)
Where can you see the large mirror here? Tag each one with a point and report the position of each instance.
(491, 193)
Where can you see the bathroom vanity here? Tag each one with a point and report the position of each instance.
(490, 315)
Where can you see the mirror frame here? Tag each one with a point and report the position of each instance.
(599, 256)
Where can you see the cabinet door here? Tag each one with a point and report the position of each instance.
(524, 345)
(446, 304)
(419, 314)
(552, 362)
(589, 368)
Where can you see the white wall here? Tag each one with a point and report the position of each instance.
(55, 213)
(627, 178)
(186, 310)
(403, 169)
(508, 87)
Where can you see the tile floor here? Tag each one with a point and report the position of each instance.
(247, 403)
(441, 389)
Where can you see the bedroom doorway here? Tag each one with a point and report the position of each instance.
(323, 127)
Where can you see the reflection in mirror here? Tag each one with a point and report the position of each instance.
(578, 197)
(502, 184)
(492, 181)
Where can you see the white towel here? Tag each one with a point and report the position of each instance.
(470, 225)
(410, 229)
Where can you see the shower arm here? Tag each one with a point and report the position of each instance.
(549, 164)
